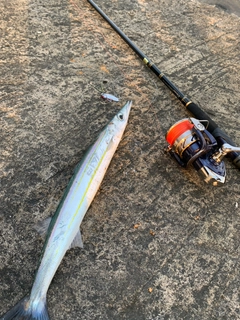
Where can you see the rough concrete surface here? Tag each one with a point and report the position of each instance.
(159, 242)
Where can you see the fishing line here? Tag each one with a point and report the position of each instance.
(203, 146)
(127, 77)
(190, 106)
(93, 30)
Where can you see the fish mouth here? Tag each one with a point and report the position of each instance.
(126, 109)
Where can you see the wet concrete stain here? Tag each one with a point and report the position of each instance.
(230, 6)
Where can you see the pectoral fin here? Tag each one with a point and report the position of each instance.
(42, 228)
(111, 144)
(77, 241)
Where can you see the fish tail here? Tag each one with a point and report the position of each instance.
(24, 310)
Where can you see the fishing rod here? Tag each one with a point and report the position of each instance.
(207, 145)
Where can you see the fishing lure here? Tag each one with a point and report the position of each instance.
(109, 97)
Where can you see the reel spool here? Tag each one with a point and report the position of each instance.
(191, 144)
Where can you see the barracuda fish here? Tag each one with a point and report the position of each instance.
(63, 231)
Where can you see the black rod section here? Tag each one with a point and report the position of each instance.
(192, 107)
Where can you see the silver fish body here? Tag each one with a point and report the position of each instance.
(63, 231)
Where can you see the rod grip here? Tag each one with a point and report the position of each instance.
(235, 159)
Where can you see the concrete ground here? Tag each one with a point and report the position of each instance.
(159, 242)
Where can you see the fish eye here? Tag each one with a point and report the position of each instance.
(120, 116)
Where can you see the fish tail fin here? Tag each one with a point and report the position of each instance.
(24, 310)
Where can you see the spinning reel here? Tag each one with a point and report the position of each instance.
(191, 143)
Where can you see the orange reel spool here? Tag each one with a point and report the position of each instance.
(177, 130)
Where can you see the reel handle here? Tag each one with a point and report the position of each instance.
(225, 149)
